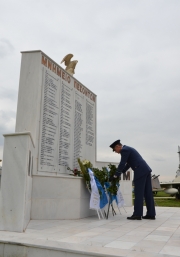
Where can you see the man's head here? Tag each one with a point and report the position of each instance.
(116, 146)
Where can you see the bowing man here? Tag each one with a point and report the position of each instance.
(130, 158)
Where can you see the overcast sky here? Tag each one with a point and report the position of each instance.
(128, 54)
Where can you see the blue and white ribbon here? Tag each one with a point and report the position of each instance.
(118, 197)
(97, 201)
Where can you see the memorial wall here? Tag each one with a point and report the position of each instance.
(55, 125)
(67, 117)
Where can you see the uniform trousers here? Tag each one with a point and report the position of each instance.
(143, 191)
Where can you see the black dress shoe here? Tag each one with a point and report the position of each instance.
(134, 217)
(148, 217)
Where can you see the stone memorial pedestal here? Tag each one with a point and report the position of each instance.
(55, 125)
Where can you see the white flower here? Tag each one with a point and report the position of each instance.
(85, 162)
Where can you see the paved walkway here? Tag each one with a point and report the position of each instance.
(116, 236)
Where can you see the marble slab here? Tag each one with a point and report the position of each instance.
(93, 237)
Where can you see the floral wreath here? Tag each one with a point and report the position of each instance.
(102, 175)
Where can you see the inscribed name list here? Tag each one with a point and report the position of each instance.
(49, 124)
(67, 123)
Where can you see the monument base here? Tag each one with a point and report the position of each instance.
(64, 197)
(24, 196)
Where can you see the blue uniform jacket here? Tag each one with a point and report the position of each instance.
(130, 158)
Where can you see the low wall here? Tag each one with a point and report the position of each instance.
(64, 197)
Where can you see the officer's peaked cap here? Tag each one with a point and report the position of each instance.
(114, 144)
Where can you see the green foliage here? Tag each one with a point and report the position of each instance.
(102, 175)
(162, 194)
(112, 169)
(113, 187)
(167, 202)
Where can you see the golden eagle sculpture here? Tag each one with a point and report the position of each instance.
(70, 65)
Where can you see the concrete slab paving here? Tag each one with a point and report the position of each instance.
(116, 236)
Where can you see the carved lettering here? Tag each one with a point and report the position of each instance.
(126, 176)
(58, 71)
(49, 64)
(44, 61)
(55, 68)
(84, 91)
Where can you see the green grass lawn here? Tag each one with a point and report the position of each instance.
(162, 194)
(170, 202)
(167, 202)
(164, 202)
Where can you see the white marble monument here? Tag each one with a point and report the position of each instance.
(55, 124)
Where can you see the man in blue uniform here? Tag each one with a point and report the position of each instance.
(130, 158)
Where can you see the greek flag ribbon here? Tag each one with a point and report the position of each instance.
(97, 201)
(118, 197)
(111, 197)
